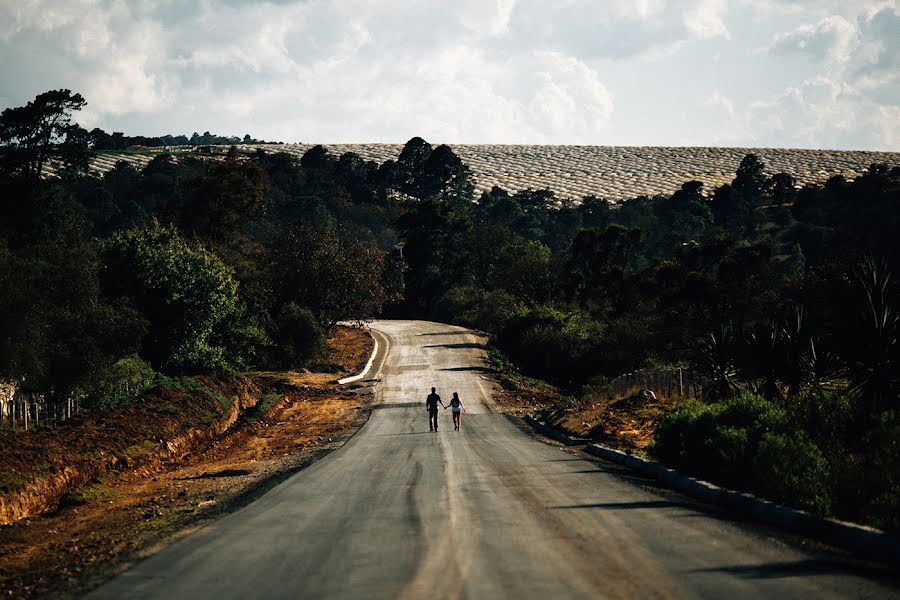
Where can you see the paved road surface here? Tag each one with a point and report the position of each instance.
(487, 512)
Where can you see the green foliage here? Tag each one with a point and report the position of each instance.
(34, 134)
(875, 367)
(877, 491)
(715, 358)
(747, 443)
(231, 193)
(549, 343)
(789, 468)
(119, 384)
(328, 272)
(187, 295)
(58, 332)
(298, 336)
(481, 309)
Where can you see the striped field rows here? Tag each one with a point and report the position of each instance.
(610, 172)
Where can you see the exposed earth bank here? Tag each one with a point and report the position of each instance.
(255, 430)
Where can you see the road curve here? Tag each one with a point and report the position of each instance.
(487, 512)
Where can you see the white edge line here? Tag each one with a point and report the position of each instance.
(365, 370)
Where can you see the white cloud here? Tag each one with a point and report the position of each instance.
(829, 39)
(854, 98)
(827, 112)
(706, 19)
(573, 71)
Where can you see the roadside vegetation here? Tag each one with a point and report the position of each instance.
(783, 302)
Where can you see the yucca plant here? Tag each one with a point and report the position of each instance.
(874, 370)
(715, 357)
(762, 359)
(822, 369)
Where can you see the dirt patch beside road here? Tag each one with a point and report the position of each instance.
(626, 424)
(123, 515)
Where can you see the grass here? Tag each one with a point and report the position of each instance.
(10, 481)
(92, 494)
(268, 402)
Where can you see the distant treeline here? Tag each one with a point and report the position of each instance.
(101, 140)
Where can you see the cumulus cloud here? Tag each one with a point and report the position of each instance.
(855, 96)
(825, 111)
(878, 57)
(829, 39)
(467, 71)
(621, 29)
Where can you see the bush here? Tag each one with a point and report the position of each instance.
(188, 296)
(744, 443)
(791, 469)
(472, 306)
(682, 433)
(119, 384)
(299, 336)
(550, 344)
(878, 479)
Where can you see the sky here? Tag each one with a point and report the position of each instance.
(748, 73)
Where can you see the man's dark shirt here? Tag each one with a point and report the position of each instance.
(431, 402)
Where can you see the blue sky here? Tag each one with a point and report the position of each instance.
(784, 73)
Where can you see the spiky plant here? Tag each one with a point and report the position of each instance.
(762, 359)
(715, 357)
(874, 370)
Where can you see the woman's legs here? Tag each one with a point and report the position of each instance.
(456, 420)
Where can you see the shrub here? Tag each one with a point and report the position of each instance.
(299, 336)
(718, 441)
(119, 384)
(188, 296)
(472, 306)
(550, 344)
(790, 468)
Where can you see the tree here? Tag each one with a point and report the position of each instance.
(328, 272)
(187, 295)
(411, 167)
(783, 188)
(595, 212)
(599, 261)
(230, 193)
(750, 181)
(58, 332)
(445, 176)
(315, 158)
(729, 207)
(684, 215)
(34, 134)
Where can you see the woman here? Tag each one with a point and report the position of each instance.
(456, 407)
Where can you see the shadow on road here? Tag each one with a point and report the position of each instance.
(444, 333)
(629, 505)
(800, 568)
(477, 369)
(386, 405)
(471, 345)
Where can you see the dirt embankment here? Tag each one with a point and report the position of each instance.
(40, 467)
(627, 424)
(127, 480)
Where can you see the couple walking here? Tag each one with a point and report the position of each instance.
(431, 403)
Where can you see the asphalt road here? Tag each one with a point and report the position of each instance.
(487, 512)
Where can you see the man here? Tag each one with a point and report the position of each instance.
(431, 403)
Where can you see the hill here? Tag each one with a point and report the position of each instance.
(609, 172)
